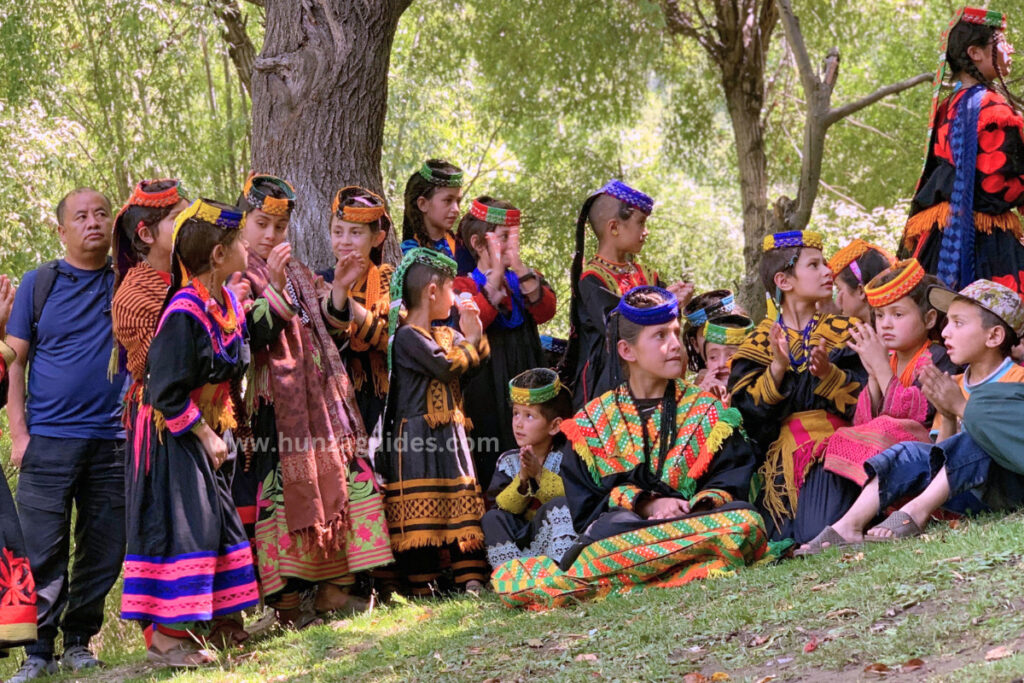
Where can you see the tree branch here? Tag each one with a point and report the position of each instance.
(838, 113)
(679, 23)
(240, 47)
(796, 43)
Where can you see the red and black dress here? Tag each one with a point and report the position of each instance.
(998, 189)
(17, 588)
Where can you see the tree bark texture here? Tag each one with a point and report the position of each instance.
(319, 98)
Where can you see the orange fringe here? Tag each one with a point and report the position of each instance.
(937, 216)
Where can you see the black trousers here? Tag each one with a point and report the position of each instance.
(57, 474)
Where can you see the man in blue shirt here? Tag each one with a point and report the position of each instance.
(67, 436)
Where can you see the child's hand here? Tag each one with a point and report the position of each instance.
(780, 349)
(714, 385)
(279, 257)
(214, 446)
(530, 465)
(943, 392)
(873, 354)
(683, 292)
(512, 257)
(469, 321)
(240, 287)
(664, 508)
(496, 270)
(819, 365)
(6, 301)
(348, 270)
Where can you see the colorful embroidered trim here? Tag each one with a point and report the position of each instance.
(525, 396)
(625, 193)
(728, 336)
(492, 214)
(848, 255)
(257, 198)
(654, 315)
(205, 210)
(440, 178)
(910, 276)
(726, 305)
(373, 210)
(793, 238)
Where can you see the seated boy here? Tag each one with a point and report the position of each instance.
(795, 381)
(719, 341)
(529, 515)
(985, 321)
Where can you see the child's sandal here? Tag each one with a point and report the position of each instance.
(900, 523)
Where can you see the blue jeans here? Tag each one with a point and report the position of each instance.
(907, 468)
(56, 474)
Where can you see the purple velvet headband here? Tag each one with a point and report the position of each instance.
(625, 193)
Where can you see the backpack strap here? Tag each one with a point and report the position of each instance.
(46, 275)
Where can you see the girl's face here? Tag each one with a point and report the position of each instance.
(264, 231)
(358, 238)
(982, 57)
(657, 351)
(632, 232)
(852, 302)
(717, 357)
(442, 209)
(901, 327)
(480, 245)
(163, 242)
(811, 279)
(530, 427)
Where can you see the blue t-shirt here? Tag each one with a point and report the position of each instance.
(69, 395)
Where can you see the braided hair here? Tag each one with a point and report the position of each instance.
(418, 186)
(966, 35)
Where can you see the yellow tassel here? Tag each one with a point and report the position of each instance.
(112, 364)
(719, 433)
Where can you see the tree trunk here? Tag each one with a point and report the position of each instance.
(319, 98)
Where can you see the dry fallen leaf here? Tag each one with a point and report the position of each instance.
(912, 665)
(719, 677)
(588, 657)
(811, 645)
(695, 677)
(1001, 652)
(823, 586)
(758, 641)
(535, 643)
(492, 680)
(474, 651)
(766, 679)
(878, 669)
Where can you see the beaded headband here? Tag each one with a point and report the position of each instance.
(492, 214)
(726, 305)
(369, 213)
(727, 336)
(426, 256)
(848, 255)
(654, 315)
(258, 199)
(623, 192)
(440, 178)
(534, 395)
(793, 238)
(911, 274)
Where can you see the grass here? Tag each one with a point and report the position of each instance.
(947, 599)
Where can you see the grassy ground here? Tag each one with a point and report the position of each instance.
(949, 607)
